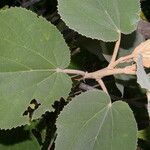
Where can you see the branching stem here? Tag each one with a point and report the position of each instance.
(122, 60)
(100, 73)
(110, 70)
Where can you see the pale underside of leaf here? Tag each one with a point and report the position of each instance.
(142, 77)
(144, 50)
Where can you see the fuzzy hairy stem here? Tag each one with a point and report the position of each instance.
(107, 72)
(122, 60)
(100, 73)
(101, 83)
(116, 49)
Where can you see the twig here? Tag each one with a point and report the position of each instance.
(52, 141)
(85, 87)
(107, 72)
(101, 83)
(114, 56)
(97, 75)
(77, 50)
(82, 88)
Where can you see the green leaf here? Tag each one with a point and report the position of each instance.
(18, 139)
(31, 49)
(90, 122)
(100, 19)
